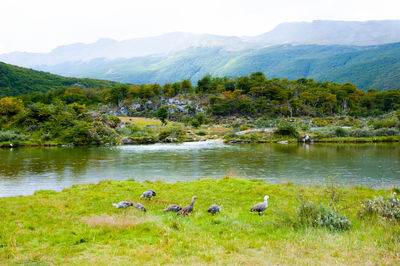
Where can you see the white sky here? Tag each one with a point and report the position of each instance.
(41, 25)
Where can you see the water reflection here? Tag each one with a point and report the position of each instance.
(22, 171)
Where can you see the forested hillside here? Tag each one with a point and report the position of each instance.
(17, 80)
(367, 67)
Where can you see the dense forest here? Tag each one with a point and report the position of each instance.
(18, 80)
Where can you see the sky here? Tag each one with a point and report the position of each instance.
(42, 25)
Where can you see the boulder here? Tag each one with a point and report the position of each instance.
(126, 140)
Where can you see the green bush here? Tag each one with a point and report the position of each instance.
(113, 121)
(165, 133)
(286, 129)
(201, 133)
(311, 214)
(386, 132)
(12, 136)
(385, 123)
(340, 132)
(361, 133)
(384, 208)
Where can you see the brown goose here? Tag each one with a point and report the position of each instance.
(260, 207)
(173, 208)
(187, 209)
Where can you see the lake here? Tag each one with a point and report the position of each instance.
(25, 170)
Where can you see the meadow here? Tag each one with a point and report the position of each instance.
(80, 226)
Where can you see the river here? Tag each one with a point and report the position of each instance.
(25, 170)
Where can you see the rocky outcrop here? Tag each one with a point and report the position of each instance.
(126, 141)
(177, 106)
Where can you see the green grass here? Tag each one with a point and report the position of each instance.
(79, 226)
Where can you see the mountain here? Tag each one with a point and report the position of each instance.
(112, 49)
(332, 32)
(366, 66)
(364, 53)
(17, 80)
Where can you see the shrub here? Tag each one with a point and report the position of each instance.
(12, 136)
(311, 214)
(384, 123)
(113, 121)
(286, 129)
(340, 132)
(201, 133)
(195, 123)
(164, 134)
(386, 132)
(361, 132)
(384, 208)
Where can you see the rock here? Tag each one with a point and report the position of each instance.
(170, 139)
(126, 140)
(283, 142)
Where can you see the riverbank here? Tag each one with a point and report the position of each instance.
(80, 226)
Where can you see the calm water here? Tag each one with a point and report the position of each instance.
(25, 170)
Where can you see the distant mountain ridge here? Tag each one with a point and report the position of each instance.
(339, 51)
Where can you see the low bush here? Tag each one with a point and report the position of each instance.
(387, 132)
(387, 209)
(385, 123)
(286, 129)
(361, 132)
(12, 136)
(340, 132)
(311, 214)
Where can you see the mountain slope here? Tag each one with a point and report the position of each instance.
(333, 32)
(17, 80)
(367, 67)
(316, 32)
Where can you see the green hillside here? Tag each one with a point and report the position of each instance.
(365, 66)
(17, 80)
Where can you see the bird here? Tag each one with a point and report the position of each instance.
(148, 194)
(187, 209)
(122, 205)
(214, 209)
(140, 207)
(260, 207)
(173, 208)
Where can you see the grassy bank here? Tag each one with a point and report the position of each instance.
(79, 226)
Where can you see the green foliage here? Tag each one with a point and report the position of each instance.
(162, 114)
(387, 132)
(340, 132)
(311, 214)
(17, 81)
(388, 209)
(12, 136)
(385, 123)
(286, 129)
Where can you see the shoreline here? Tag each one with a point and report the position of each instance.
(338, 140)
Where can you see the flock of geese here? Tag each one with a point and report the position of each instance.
(214, 209)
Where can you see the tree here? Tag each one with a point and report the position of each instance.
(162, 114)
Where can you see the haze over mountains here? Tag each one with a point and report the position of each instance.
(336, 51)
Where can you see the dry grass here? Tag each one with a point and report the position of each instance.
(140, 121)
(119, 221)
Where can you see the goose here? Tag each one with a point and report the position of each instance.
(173, 208)
(140, 207)
(260, 207)
(187, 209)
(148, 194)
(214, 209)
(122, 205)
